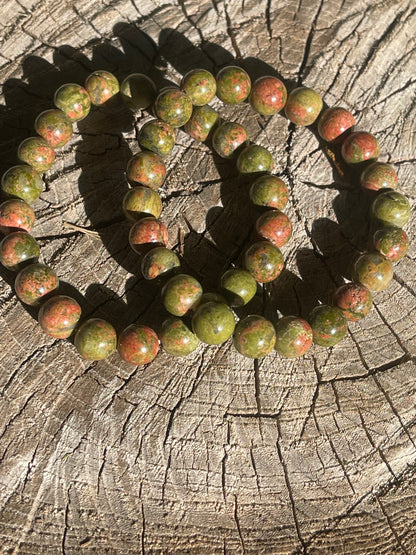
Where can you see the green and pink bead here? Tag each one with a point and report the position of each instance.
(233, 85)
(59, 316)
(254, 337)
(96, 339)
(18, 249)
(138, 344)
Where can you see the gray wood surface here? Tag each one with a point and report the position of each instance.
(212, 453)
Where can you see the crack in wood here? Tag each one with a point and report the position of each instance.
(308, 42)
(231, 33)
(237, 522)
(289, 490)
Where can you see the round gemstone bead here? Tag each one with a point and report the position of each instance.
(59, 316)
(34, 282)
(359, 147)
(146, 168)
(37, 153)
(173, 106)
(157, 136)
(274, 226)
(228, 138)
(264, 261)
(391, 208)
(373, 271)
(254, 336)
(16, 214)
(17, 249)
(147, 233)
(202, 122)
(328, 324)
(181, 293)
(269, 190)
(391, 242)
(268, 95)
(138, 91)
(293, 336)
(73, 100)
(354, 300)
(96, 339)
(138, 344)
(177, 339)
(238, 286)
(159, 261)
(379, 175)
(54, 127)
(141, 201)
(254, 159)
(200, 86)
(333, 123)
(22, 182)
(101, 86)
(303, 106)
(233, 85)
(213, 323)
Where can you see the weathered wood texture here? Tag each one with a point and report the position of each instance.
(210, 454)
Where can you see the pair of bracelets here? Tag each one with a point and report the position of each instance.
(213, 320)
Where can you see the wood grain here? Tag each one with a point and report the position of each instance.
(212, 453)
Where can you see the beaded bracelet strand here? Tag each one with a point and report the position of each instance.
(213, 321)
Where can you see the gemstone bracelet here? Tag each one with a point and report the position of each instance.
(213, 321)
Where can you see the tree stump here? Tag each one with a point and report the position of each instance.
(212, 453)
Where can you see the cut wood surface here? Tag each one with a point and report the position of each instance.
(213, 453)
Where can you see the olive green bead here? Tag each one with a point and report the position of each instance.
(202, 121)
(373, 271)
(391, 208)
(37, 153)
(157, 136)
(181, 293)
(73, 100)
(233, 84)
(254, 159)
(269, 190)
(254, 337)
(96, 339)
(176, 338)
(200, 86)
(173, 106)
(146, 168)
(391, 242)
(228, 138)
(159, 261)
(293, 336)
(141, 201)
(101, 86)
(54, 127)
(22, 182)
(213, 323)
(303, 106)
(238, 286)
(264, 261)
(328, 324)
(138, 91)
